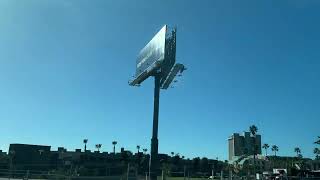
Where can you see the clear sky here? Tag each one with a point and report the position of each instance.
(65, 66)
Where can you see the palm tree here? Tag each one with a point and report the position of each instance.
(85, 141)
(253, 130)
(316, 151)
(172, 154)
(138, 147)
(297, 150)
(318, 141)
(145, 150)
(98, 146)
(266, 147)
(275, 148)
(114, 143)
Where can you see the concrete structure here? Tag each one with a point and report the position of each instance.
(243, 145)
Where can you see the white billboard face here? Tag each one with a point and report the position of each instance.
(152, 55)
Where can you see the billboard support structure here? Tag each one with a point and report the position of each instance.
(157, 59)
(154, 139)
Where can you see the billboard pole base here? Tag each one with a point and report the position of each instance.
(154, 140)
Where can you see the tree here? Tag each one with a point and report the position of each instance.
(165, 166)
(125, 156)
(196, 164)
(85, 141)
(172, 154)
(316, 152)
(253, 130)
(145, 150)
(297, 150)
(317, 141)
(176, 159)
(275, 149)
(114, 143)
(204, 165)
(138, 147)
(98, 146)
(266, 147)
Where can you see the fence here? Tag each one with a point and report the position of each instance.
(27, 174)
(7, 174)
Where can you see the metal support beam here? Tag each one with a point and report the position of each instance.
(154, 141)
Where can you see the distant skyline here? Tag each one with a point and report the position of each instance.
(65, 66)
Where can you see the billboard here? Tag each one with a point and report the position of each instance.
(171, 75)
(158, 54)
(170, 54)
(151, 56)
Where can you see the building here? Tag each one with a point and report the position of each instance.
(244, 145)
(42, 162)
(4, 160)
(28, 157)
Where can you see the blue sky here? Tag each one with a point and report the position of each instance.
(64, 68)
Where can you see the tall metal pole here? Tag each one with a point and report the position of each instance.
(154, 140)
